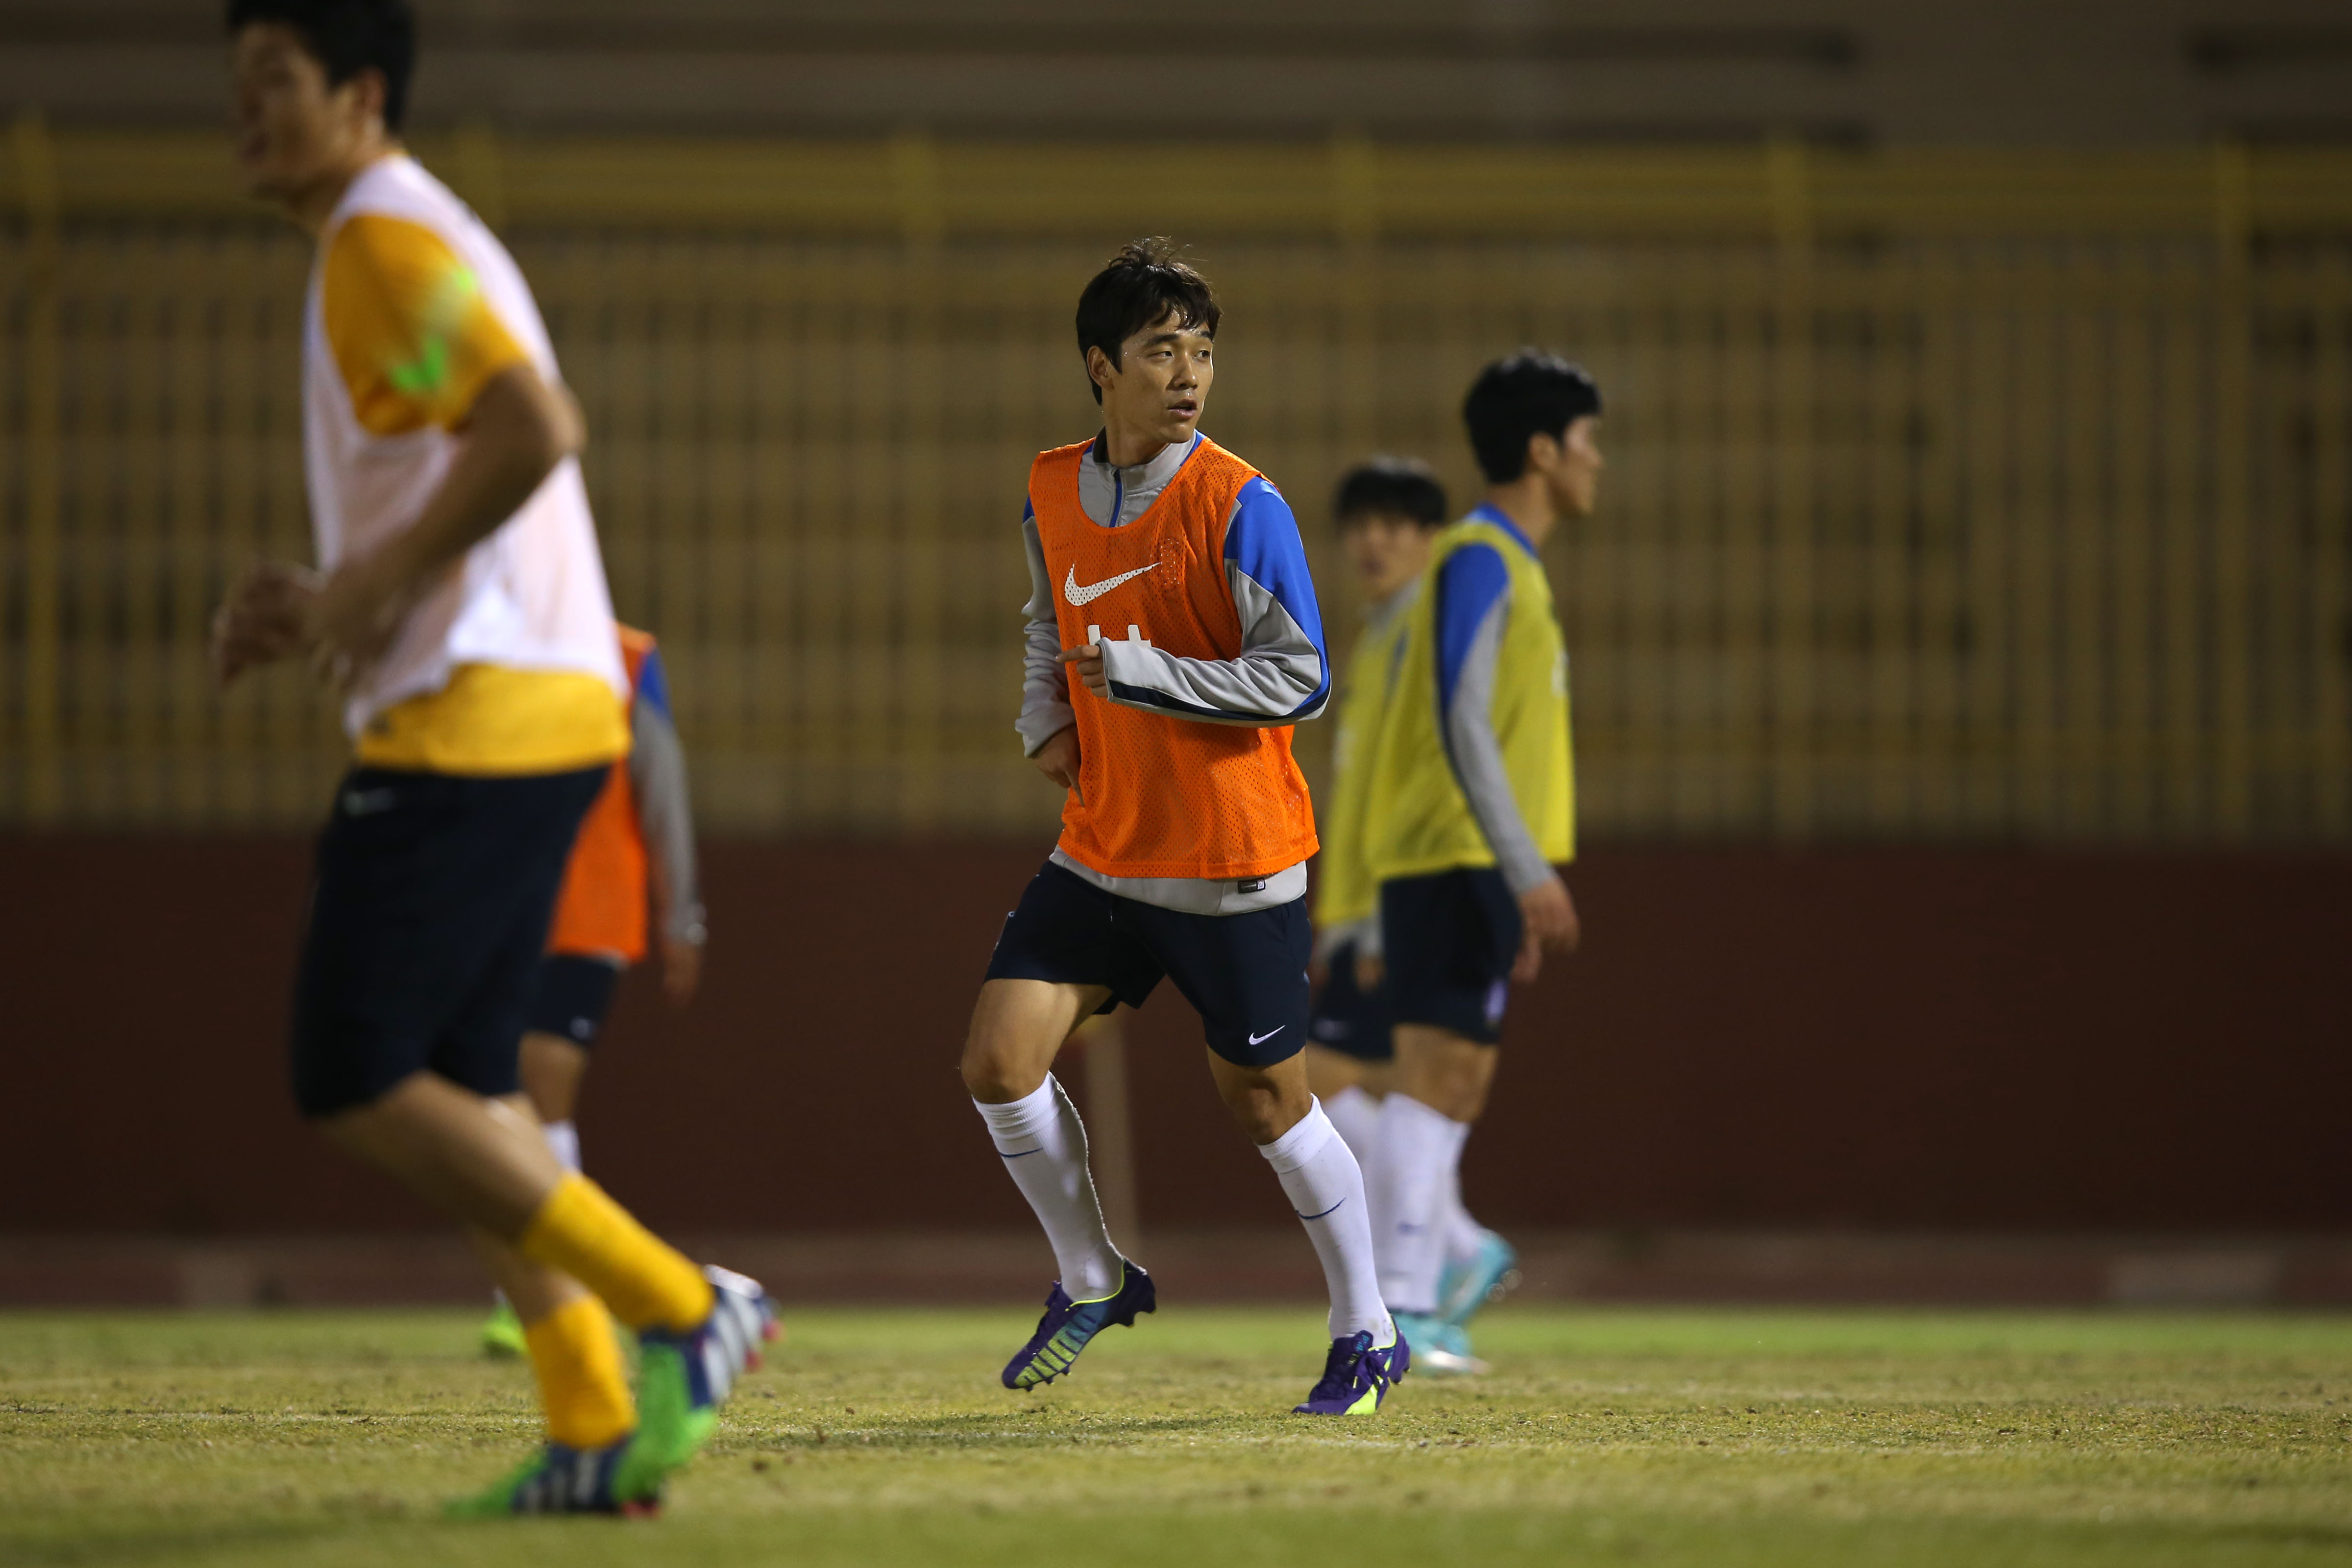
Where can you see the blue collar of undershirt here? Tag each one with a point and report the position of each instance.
(1487, 512)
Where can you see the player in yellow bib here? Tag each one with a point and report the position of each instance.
(1471, 804)
(1388, 510)
(459, 606)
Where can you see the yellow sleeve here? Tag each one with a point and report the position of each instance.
(409, 327)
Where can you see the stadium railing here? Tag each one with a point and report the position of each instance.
(1955, 495)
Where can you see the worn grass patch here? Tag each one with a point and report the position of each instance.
(1728, 1437)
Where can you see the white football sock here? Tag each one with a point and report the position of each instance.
(1459, 1236)
(1044, 1148)
(564, 1142)
(1417, 1148)
(1355, 1114)
(1324, 1185)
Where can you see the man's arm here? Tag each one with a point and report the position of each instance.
(417, 346)
(1474, 606)
(665, 823)
(1282, 675)
(1045, 687)
(518, 430)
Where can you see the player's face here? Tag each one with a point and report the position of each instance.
(1160, 382)
(293, 131)
(1386, 548)
(1574, 476)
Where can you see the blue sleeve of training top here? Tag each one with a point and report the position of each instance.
(1472, 578)
(1281, 675)
(1262, 548)
(653, 684)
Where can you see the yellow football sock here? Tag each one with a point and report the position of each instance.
(647, 1282)
(581, 1380)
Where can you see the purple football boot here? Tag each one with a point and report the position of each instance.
(1357, 1376)
(1068, 1325)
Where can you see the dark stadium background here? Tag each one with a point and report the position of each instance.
(2083, 1035)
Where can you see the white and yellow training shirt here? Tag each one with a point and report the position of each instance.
(510, 665)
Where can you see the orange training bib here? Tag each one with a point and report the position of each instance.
(1165, 795)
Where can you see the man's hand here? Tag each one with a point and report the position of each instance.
(1057, 759)
(354, 617)
(1086, 663)
(681, 964)
(1548, 922)
(265, 619)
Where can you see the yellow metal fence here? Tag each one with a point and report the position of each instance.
(1952, 496)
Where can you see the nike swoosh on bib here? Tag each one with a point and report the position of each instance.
(1093, 591)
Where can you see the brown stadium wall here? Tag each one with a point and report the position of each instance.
(1880, 1039)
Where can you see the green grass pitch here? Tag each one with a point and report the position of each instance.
(1724, 1438)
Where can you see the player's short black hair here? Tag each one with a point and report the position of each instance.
(1530, 392)
(1145, 283)
(347, 37)
(1399, 486)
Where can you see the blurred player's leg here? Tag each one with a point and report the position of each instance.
(574, 1352)
(1478, 1265)
(571, 993)
(405, 1056)
(1356, 1114)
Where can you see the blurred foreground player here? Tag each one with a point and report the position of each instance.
(1187, 828)
(463, 613)
(1471, 803)
(1387, 510)
(635, 850)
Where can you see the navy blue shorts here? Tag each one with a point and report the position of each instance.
(1349, 1019)
(1246, 974)
(1452, 938)
(428, 918)
(570, 995)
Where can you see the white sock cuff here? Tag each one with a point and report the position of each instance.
(563, 1142)
(1018, 1126)
(1302, 1143)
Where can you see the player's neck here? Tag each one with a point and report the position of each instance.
(1527, 501)
(315, 202)
(1128, 448)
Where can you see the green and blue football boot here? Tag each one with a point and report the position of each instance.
(617, 1481)
(684, 1378)
(1069, 1326)
(502, 1334)
(1464, 1288)
(1358, 1374)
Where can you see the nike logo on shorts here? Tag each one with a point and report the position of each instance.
(368, 802)
(1093, 591)
(1261, 1039)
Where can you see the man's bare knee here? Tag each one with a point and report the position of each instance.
(1444, 1070)
(1017, 1027)
(1264, 1103)
(553, 1067)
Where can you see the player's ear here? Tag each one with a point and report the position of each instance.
(1543, 453)
(365, 92)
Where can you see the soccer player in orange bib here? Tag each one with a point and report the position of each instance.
(635, 852)
(1187, 829)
